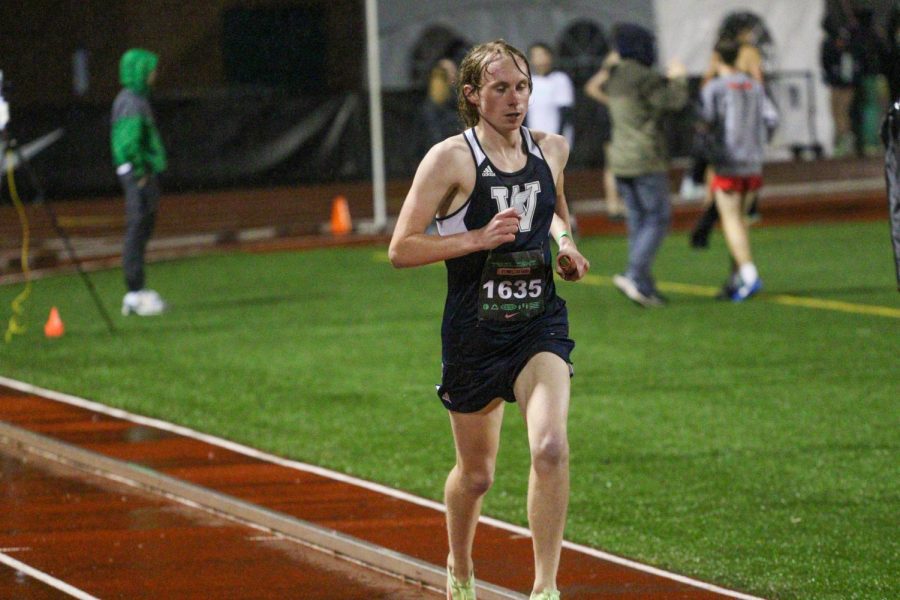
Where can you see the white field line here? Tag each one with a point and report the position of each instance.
(45, 578)
(336, 476)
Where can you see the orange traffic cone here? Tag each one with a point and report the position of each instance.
(54, 327)
(340, 216)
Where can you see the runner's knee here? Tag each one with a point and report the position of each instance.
(476, 480)
(550, 453)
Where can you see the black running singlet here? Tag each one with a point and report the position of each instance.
(494, 296)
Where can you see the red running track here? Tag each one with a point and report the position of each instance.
(393, 521)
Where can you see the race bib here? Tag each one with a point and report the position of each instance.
(512, 286)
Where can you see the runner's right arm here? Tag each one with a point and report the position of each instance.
(444, 180)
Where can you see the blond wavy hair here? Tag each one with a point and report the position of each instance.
(471, 72)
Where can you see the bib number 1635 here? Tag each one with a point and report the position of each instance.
(513, 285)
(518, 289)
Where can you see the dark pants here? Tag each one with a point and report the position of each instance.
(649, 215)
(141, 204)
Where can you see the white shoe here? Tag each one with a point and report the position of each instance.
(627, 286)
(144, 303)
(153, 296)
(690, 190)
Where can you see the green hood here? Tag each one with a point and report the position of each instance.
(135, 68)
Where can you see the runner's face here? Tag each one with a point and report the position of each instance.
(503, 97)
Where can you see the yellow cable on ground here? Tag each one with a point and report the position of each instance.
(16, 326)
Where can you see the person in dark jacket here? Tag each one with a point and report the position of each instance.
(437, 118)
(870, 101)
(891, 63)
(842, 74)
(138, 155)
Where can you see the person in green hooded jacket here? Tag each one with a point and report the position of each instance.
(139, 155)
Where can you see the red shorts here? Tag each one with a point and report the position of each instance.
(741, 185)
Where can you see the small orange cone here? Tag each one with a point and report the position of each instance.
(340, 216)
(54, 327)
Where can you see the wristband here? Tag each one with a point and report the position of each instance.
(562, 235)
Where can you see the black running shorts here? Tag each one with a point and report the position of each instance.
(491, 365)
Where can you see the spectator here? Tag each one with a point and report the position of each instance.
(437, 118)
(593, 89)
(740, 117)
(892, 58)
(841, 73)
(870, 103)
(553, 95)
(749, 60)
(638, 98)
(139, 155)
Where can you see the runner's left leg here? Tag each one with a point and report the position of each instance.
(542, 392)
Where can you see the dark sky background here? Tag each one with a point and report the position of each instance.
(311, 45)
(203, 44)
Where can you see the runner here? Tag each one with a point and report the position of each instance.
(497, 193)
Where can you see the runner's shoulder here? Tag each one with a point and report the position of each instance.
(554, 146)
(451, 156)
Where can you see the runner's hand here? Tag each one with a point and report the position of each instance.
(571, 265)
(501, 229)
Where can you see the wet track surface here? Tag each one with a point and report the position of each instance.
(113, 541)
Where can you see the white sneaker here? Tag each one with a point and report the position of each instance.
(144, 303)
(153, 296)
(627, 286)
(690, 190)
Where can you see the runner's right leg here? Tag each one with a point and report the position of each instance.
(477, 438)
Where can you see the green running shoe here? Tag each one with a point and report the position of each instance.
(460, 590)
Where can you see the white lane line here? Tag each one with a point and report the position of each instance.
(45, 578)
(336, 476)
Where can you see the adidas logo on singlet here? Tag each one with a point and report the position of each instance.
(488, 172)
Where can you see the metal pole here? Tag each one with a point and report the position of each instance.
(376, 129)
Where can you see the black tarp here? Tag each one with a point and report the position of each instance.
(256, 137)
(227, 140)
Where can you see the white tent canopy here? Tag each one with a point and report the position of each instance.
(520, 22)
(687, 30)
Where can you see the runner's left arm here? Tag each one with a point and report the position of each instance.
(560, 227)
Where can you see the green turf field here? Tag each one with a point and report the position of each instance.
(754, 445)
